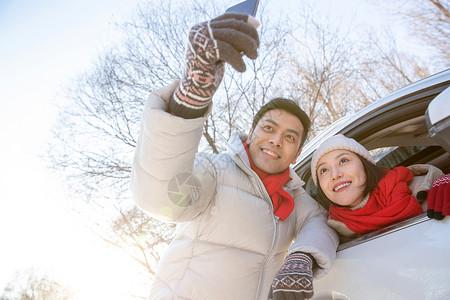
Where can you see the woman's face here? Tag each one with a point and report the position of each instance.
(342, 178)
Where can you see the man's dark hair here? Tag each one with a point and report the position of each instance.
(374, 174)
(288, 106)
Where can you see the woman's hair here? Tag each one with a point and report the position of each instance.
(373, 173)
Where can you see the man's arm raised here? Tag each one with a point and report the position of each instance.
(209, 46)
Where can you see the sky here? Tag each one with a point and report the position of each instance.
(43, 45)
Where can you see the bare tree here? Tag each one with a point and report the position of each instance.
(242, 94)
(30, 285)
(323, 70)
(141, 237)
(319, 65)
(334, 72)
(388, 68)
(98, 124)
(429, 21)
(95, 136)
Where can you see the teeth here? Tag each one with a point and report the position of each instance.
(341, 186)
(270, 153)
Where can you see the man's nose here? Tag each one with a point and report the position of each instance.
(275, 139)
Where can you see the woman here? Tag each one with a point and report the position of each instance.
(364, 197)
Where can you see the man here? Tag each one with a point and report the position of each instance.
(246, 228)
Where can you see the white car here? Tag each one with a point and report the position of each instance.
(411, 259)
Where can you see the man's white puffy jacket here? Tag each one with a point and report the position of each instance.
(228, 244)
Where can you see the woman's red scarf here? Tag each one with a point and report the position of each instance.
(283, 203)
(392, 201)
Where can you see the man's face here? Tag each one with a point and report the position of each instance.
(275, 141)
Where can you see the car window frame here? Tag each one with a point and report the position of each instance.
(412, 100)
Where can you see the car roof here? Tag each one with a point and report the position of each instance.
(407, 104)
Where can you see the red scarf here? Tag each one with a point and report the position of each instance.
(283, 203)
(392, 201)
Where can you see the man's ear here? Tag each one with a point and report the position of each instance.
(249, 136)
(298, 154)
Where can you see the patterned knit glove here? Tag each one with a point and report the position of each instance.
(209, 45)
(294, 281)
(438, 199)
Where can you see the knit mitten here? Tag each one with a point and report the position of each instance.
(438, 199)
(209, 45)
(295, 278)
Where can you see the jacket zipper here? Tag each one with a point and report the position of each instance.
(261, 275)
(275, 223)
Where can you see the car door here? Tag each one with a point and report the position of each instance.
(409, 259)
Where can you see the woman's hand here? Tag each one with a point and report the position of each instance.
(438, 199)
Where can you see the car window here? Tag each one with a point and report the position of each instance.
(390, 157)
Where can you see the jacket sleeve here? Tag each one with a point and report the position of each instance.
(169, 180)
(424, 176)
(341, 228)
(313, 235)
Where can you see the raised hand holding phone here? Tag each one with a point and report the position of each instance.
(210, 44)
(249, 8)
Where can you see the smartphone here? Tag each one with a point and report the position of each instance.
(248, 7)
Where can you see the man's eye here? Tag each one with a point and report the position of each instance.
(268, 127)
(290, 137)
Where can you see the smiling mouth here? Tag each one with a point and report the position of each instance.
(270, 153)
(341, 186)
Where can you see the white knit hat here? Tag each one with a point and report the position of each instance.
(337, 142)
